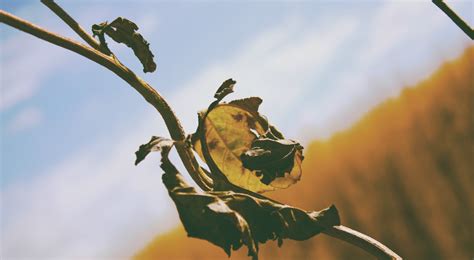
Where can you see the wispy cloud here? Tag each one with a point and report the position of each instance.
(20, 81)
(95, 204)
(405, 42)
(25, 67)
(25, 119)
(278, 65)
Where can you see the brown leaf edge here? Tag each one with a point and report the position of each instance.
(155, 144)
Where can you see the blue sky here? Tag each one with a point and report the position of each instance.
(69, 128)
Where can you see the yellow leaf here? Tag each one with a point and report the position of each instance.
(228, 134)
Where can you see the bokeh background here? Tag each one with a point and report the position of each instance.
(380, 93)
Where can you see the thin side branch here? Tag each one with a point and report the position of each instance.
(455, 18)
(58, 40)
(362, 241)
(72, 23)
(151, 95)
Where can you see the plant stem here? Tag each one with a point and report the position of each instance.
(151, 95)
(156, 100)
(370, 245)
(72, 23)
(455, 18)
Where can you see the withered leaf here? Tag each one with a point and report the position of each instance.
(207, 217)
(225, 89)
(123, 30)
(155, 144)
(228, 130)
(230, 220)
(226, 133)
(271, 158)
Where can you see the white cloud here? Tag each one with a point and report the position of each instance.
(279, 65)
(26, 62)
(400, 50)
(20, 80)
(24, 65)
(25, 119)
(96, 204)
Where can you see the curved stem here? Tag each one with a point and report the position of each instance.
(151, 95)
(362, 241)
(75, 26)
(172, 123)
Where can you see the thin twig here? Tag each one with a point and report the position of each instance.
(58, 40)
(362, 241)
(172, 123)
(151, 95)
(72, 23)
(455, 18)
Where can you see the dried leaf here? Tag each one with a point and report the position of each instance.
(226, 130)
(225, 89)
(155, 144)
(272, 158)
(123, 30)
(229, 130)
(230, 220)
(207, 217)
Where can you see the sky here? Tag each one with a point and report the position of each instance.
(69, 128)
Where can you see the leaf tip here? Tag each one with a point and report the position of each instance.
(225, 89)
(137, 161)
(155, 144)
(140, 154)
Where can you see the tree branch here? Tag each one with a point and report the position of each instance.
(72, 23)
(455, 18)
(156, 100)
(362, 241)
(151, 95)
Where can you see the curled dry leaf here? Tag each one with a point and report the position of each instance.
(230, 220)
(229, 130)
(225, 89)
(272, 158)
(155, 144)
(227, 136)
(123, 30)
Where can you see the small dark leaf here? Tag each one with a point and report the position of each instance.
(225, 89)
(155, 144)
(123, 30)
(230, 220)
(273, 133)
(271, 158)
(97, 29)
